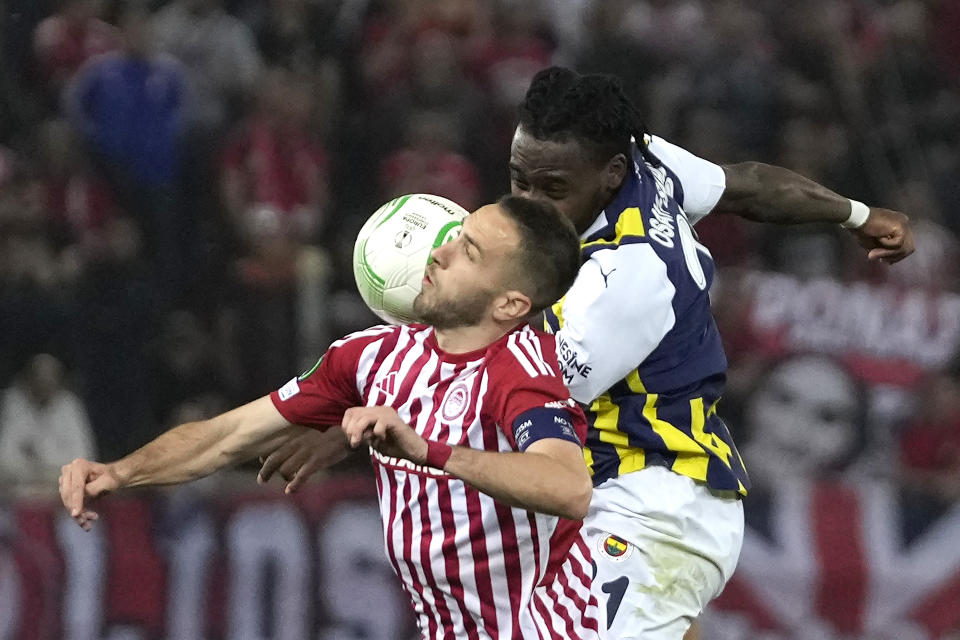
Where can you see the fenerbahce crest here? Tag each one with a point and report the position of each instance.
(614, 548)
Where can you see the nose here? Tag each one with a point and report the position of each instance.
(439, 254)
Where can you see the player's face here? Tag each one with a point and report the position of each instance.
(563, 174)
(468, 273)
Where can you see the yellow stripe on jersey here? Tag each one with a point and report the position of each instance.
(691, 459)
(629, 223)
(608, 417)
(708, 440)
(712, 412)
(588, 458)
(636, 458)
(632, 460)
(634, 383)
(557, 309)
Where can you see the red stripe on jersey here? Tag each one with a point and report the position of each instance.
(842, 581)
(481, 562)
(406, 524)
(387, 344)
(452, 562)
(511, 554)
(387, 347)
(579, 569)
(577, 563)
(535, 341)
(535, 536)
(561, 610)
(426, 538)
(435, 429)
(526, 341)
(413, 371)
(391, 492)
(564, 536)
(545, 615)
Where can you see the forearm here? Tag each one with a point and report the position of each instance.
(531, 481)
(766, 193)
(196, 449)
(184, 453)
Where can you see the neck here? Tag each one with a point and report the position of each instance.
(472, 338)
(584, 224)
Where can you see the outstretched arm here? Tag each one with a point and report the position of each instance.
(766, 193)
(187, 452)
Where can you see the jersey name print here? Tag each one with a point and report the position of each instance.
(644, 353)
(473, 567)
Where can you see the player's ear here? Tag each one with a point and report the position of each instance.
(614, 172)
(511, 306)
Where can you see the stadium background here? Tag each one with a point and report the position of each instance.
(170, 251)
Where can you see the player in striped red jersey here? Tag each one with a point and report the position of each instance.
(476, 444)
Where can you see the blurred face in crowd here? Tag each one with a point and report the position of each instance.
(565, 174)
(471, 272)
(804, 420)
(285, 100)
(44, 378)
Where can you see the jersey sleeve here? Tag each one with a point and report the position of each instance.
(533, 403)
(616, 313)
(319, 397)
(703, 181)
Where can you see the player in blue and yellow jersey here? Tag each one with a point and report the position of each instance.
(638, 344)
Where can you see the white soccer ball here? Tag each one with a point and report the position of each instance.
(393, 249)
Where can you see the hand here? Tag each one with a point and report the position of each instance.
(886, 235)
(85, 479)
(382, 429)
(302, 455)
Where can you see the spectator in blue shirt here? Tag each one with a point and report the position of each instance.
(128, 106)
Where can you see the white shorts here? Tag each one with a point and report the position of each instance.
(664, 546)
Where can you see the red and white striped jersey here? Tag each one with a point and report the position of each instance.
(473, 567)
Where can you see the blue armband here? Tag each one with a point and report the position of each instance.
(542, 422)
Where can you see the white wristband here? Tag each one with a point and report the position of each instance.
(859, 213)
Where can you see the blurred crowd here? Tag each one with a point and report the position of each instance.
(181, 182)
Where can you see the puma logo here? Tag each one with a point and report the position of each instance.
(606, 275)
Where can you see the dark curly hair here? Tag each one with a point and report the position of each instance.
(593, 109)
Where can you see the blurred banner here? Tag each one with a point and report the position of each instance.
(210, 561)
(204, 561)
(832, 561)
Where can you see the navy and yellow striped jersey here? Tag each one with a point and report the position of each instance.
(635, 336)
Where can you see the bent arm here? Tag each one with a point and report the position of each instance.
(549, 477)
(196, 449)
(766, 193)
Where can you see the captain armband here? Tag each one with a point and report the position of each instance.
(543, 422)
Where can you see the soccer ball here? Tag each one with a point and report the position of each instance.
(393, 249)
